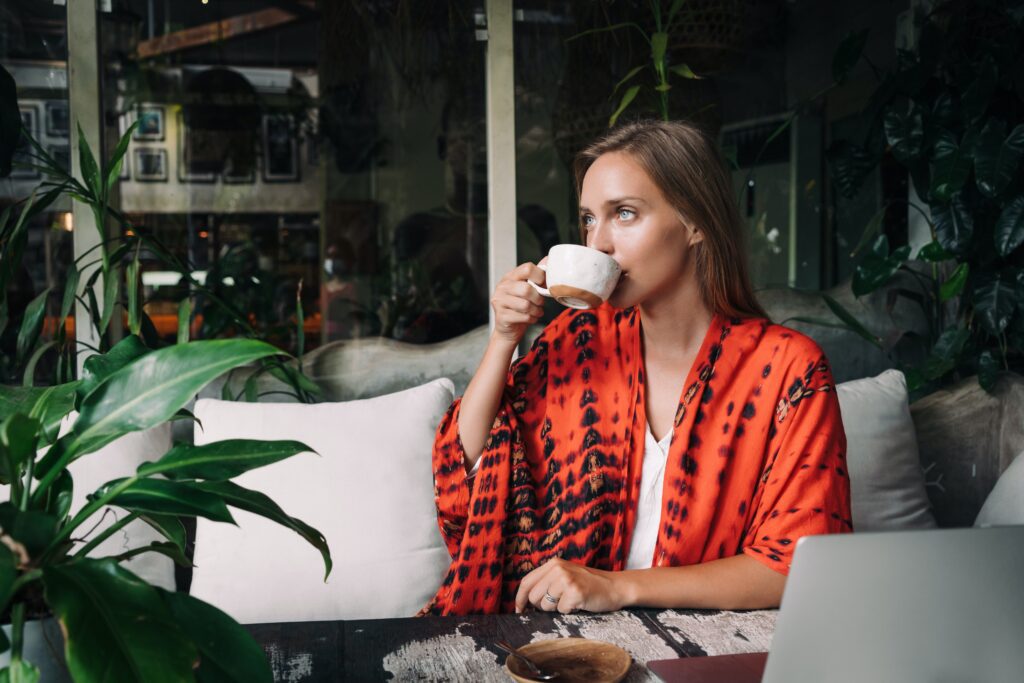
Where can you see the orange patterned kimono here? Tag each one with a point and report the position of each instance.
(757, 458)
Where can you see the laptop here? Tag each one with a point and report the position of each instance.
(940, 606)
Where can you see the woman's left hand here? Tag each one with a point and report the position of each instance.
(567, 587)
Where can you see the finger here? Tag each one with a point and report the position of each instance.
(539, 596)
(537, 275)
(522, 306)
(571, 600)
(528, 583)
(522, 290)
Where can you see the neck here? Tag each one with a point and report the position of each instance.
(675, 324)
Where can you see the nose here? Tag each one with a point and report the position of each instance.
(601, 238)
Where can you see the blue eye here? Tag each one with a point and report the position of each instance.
(586, 221)
(626, 214)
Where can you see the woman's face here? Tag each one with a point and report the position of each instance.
(625, 215)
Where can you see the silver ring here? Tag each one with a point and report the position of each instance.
(550, 598)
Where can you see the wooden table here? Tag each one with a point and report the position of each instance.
(461, 648)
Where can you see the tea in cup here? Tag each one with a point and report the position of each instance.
(578, 276)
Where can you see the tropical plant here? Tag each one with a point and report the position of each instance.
(950, 113)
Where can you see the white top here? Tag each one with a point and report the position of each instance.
(648, 507)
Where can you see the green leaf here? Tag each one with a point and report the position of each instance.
(997, 158)
(848, 54)
(1010, 227)
(628, 77)
(32, 324)
(221, 459)
(117, 626)
(227, 652)
(659, 45)
(252, 388)
(684, 71)
(259, 504)
(111, 286)
(184, 315)
(60, 496)
(850, 321)
(148, 391)
(955, 284)
(904, 130)
(850, 165)
(19, 671)
(628, 97)
(169, 527)
(49, 405)
(132, 285)
(988, 370)
(165, 548)
(954, 226)
(98, 367)
(114, 170)
(878, 266)
(160, 497)
(950, 343)
(291, 376)
(994, 301)
(673, 10)
(19, 436)
(32, 529)
(90, 171)
(951, 164)
(933, 253)
(70, 289)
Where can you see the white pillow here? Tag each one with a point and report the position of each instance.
(886, 482)
(370, 491)
(1005, 504)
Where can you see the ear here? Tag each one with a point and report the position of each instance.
(696, 236)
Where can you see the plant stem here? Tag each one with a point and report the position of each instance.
(17, 629)
(85, 512)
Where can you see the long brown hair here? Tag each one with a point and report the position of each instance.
(686, 166)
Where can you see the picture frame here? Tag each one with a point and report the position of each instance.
(185, 172)
(30, 121)
(152, 123)
(61, 154)
(58, 122)
(280, 149)
(151, 165)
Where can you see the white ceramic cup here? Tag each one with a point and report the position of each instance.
(578, 276)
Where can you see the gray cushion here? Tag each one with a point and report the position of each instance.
(886, 483)
(1005, 505)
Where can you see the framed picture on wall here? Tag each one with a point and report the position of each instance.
(151, 121)
(151, 165)
(280, 149)
(187, 162)
(30, 122)
(57, 124)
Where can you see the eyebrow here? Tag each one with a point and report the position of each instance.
(619, 200)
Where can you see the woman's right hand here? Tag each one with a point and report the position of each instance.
(516, 304)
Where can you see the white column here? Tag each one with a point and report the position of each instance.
(84, 104)
(501, 144)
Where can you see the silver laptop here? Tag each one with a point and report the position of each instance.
(938, 606)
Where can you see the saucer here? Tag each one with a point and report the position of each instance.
(575, 659)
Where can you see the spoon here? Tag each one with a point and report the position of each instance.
(537, 672)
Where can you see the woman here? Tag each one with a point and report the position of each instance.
(666, 449)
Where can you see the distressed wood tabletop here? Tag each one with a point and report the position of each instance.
(462, 648)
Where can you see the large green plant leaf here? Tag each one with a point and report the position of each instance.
(160, 497)
(259, 504)
(117, 627)
(169, 527)
(1010, 227)
(994, 301)
(10, 121)
(954, 225)
(997, 157)
(98, 367)
(850, 165)
(19, 436)
(955, 284)
(933, 253)
(227, 652)
(20, 671)
(878, 266)
(49, 405)
(904, 130)
(851, 321)
(148, 391)
(221, 459)
(31, 324)
(988, 370)
(627, 98)
(951, 163)
(33, 530)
